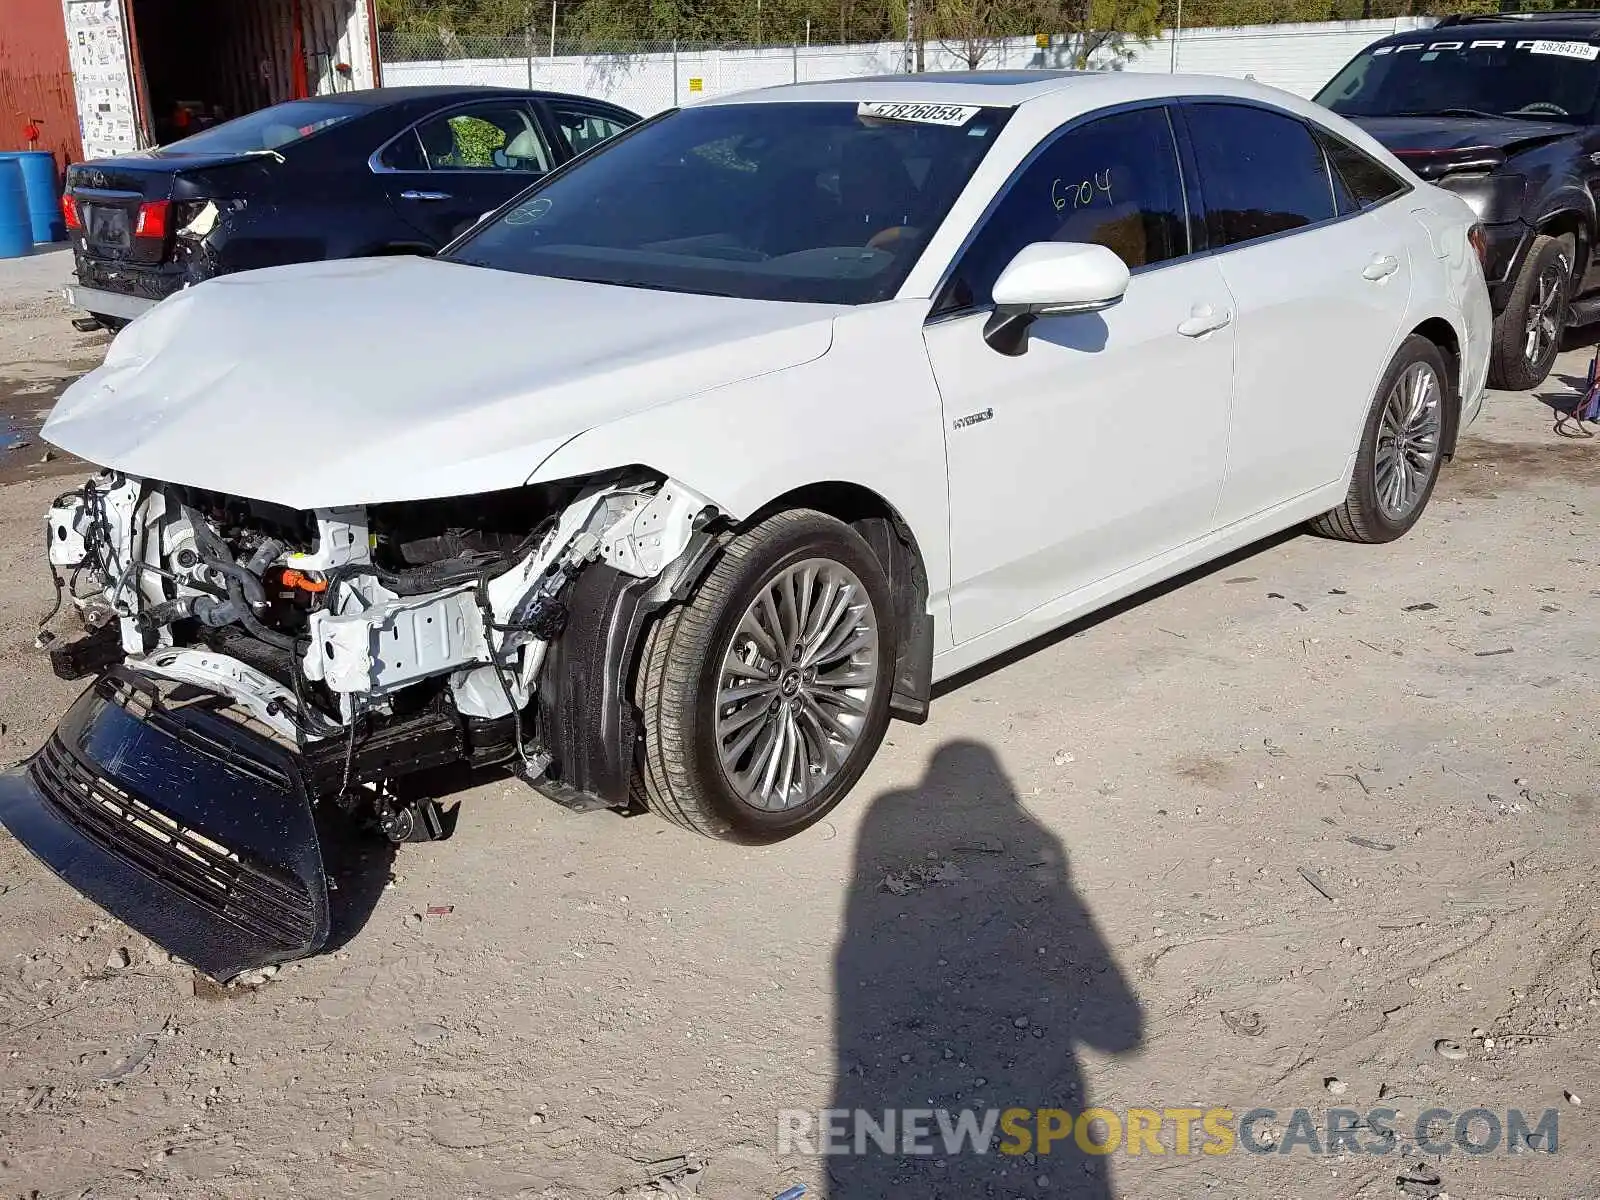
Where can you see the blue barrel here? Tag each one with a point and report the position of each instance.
(44, 196)
(16, 231)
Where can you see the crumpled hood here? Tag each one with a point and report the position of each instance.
(1442, 135)
(371, 380)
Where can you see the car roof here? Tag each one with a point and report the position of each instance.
(1008, 89)
(382, 97)
(1563, 25)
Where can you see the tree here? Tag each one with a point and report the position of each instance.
(1096, 32)
(972, 30)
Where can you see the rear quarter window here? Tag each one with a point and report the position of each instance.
(1359, 181)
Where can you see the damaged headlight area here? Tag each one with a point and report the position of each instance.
(322, 625)
(326, 655)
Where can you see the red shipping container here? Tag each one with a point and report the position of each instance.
(36, 80)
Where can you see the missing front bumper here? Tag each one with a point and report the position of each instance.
(192, 830)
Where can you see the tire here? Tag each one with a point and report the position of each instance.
(1377, 507)
(681, 773)
(110, 324)
(1521, 356)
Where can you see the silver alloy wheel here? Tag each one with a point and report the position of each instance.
(1408, 440)
(796, 684)
(1542, 313)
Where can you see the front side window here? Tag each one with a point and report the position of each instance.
(821, 202)
(1261, 172)
(1114, 182)
(500, 137)
(1532, 78)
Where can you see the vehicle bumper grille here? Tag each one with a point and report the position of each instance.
(193, 830)
(274, 907)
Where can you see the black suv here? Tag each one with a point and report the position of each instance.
(1505, 112)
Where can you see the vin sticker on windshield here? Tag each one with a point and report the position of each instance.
(923, 114)
(1566, 49)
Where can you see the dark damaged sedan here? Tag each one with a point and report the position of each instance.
(388, 171)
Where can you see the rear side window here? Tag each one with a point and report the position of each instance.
(1261, 172)
(1358, 181)
(487, 137)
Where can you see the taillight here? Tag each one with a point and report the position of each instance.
(1479, 241)
(152, 220)
(69, 211)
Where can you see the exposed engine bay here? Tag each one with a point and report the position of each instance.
(371, 642)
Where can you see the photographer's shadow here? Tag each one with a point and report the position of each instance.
(968, 974)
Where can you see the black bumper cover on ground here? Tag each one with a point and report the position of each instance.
(179, 822)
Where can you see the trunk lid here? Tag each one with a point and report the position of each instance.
(108, 196)
(111, 195)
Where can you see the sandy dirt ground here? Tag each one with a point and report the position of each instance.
(1263, 839)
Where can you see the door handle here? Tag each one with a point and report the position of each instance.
(424, 195)
(1381, 267)
(1204, 319)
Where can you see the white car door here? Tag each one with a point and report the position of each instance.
(1103, 443)
(1320, 288)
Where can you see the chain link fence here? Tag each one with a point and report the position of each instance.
(649, 76)
(645, 76)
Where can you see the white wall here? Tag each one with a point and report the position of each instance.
(1298, 58)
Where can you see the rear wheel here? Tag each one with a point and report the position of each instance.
(1401, 449)
(110, 324)
(766, 694)
(1527, 335)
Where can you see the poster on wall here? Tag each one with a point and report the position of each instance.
(98, 44)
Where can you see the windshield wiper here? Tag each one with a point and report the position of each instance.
(1445, 112)
(1478, 112)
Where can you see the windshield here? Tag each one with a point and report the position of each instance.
(827, 203)
(1492, 77)
(270, 129)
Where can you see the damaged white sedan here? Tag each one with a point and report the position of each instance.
(674, 480)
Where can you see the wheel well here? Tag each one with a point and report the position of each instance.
(1569, 223)
(1441, 334)
(896, 549)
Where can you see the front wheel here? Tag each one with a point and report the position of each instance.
(1527, 335)
(766, 694)
(1402, 446)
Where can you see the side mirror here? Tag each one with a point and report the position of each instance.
(1050, 279)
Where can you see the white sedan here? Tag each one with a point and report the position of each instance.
(678, 476)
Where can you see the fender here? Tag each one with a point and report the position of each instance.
(1571, 197)
(812, 430)
(746, 444)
